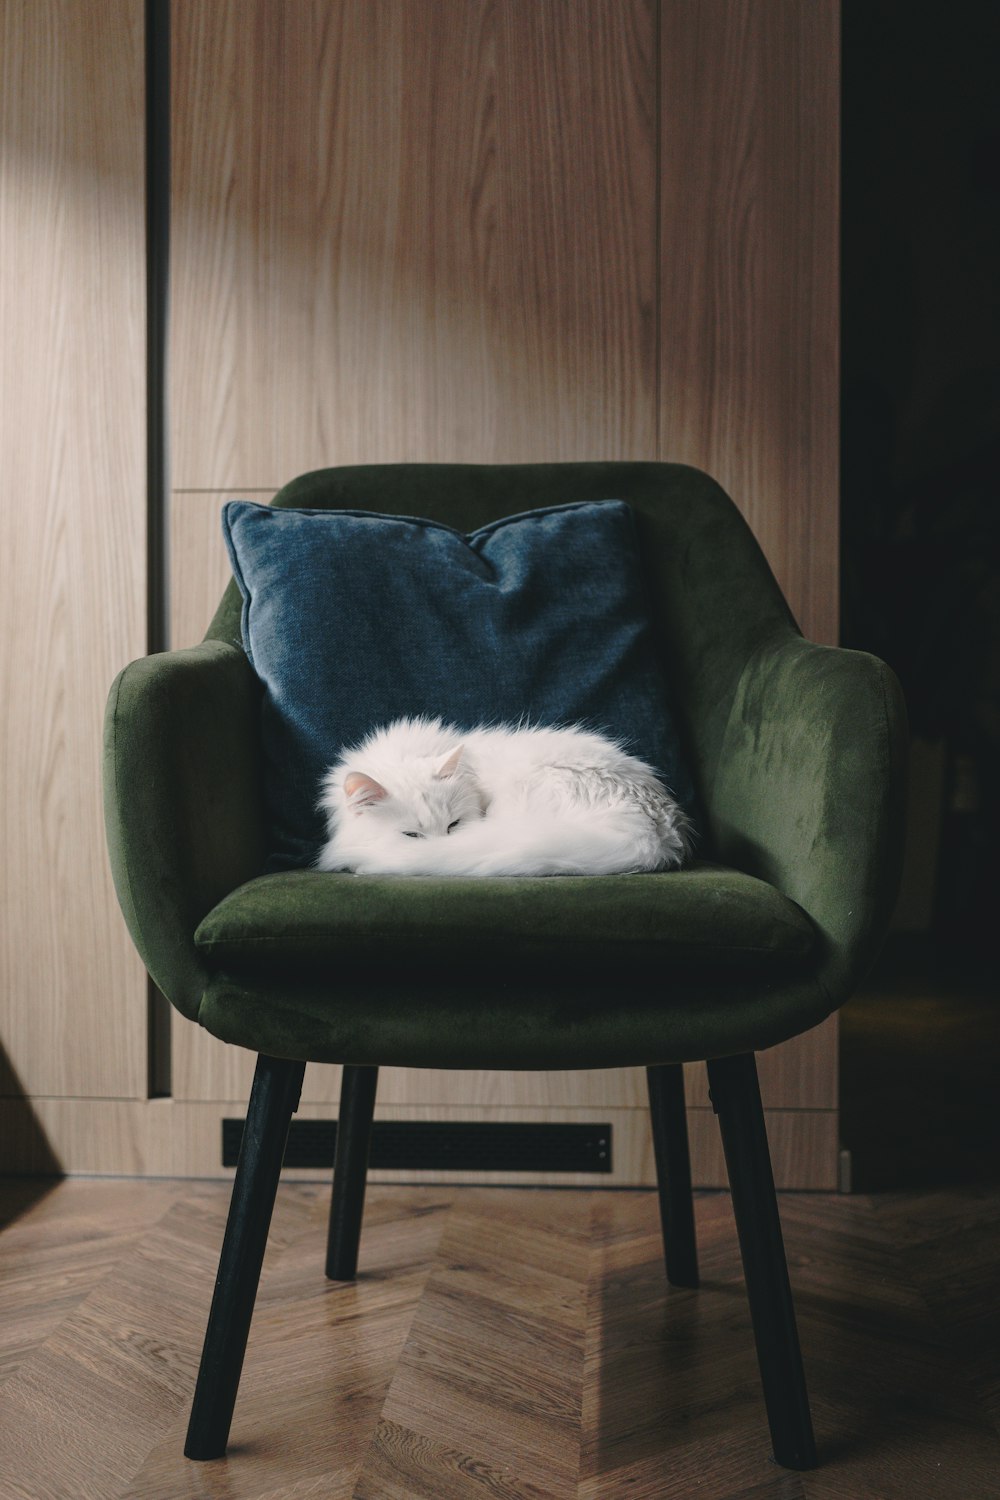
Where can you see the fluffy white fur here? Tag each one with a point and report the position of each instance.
(422, 798)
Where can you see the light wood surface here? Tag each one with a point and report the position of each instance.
(504, 232)
(796, 1075)
(168, 1137)
(472, 297)
(199, 564)
(444, 250)
(497, 1345)
(749, 306)
(73, 600)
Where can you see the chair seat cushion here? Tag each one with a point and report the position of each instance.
(353, 619)
(304, 924)
(565, 972)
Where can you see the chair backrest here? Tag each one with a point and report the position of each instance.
(711, 592)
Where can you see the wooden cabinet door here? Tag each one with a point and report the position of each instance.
(72, 483)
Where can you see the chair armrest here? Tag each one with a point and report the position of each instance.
(183, 801)
(809, 793)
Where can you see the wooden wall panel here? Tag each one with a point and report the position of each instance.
(453, 230)
(172, 1138)
(411, 229)
(199, 563)
(749, 217)
(73, 603)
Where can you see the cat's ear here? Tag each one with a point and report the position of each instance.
(362, 791)
(449, 765)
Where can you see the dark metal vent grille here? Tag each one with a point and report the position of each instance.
(453, 1145)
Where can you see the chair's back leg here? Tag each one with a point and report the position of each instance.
(350, 1170)
(736, 1098)
(673, 1171)
(274, 1099)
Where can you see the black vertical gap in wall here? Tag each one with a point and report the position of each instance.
(846, 58)
(658, 239)
(157, 451)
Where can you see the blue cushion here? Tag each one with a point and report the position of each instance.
(352, 619)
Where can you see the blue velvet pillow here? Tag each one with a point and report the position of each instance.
(352, 619)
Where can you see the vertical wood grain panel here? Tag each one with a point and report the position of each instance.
(428, 230)
(177, 1138)
(749, 263)
(199, 563)
(411, 229)
(72, 605)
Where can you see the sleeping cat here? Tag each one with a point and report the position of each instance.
(419, 797)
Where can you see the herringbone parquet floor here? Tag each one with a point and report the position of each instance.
(498, 1345)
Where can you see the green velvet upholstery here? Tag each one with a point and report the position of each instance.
(183, 801)
(301, 924)
(796, 751)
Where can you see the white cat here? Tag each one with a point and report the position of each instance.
(419, 797)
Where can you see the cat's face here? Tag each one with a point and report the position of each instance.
(427, 800)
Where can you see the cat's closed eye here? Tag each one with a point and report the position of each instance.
(408, 835)
(454, 825)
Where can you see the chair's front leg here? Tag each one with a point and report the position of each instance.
(735, 1096)
(673, 1171)
(350, 1171)
(274, 1099)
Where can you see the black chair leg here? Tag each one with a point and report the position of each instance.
(274, 1099)
(736, 1098)
(673, 1171)
(350, 1170)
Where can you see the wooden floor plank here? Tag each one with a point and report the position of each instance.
(54, 1251)
(319, 1361)
(497, 1345)
(87, 1404)
(672, 1405)
(486, 1397)
(894, 1411)
(949, 1247)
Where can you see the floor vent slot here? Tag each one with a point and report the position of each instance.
(452, 1145)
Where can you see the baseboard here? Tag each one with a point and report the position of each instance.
(173, 1138)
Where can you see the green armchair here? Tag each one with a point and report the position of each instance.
(796, 750)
